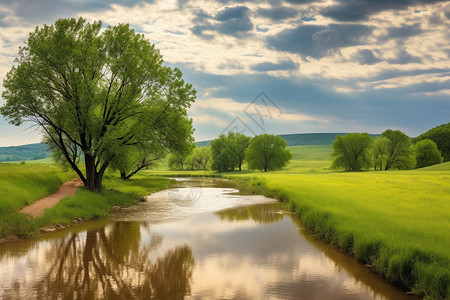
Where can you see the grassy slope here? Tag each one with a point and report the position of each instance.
(24, 184)
(24, 152)
(302, 139)
(398, 221)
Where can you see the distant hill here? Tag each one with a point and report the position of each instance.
(303, 139)
(25, 152)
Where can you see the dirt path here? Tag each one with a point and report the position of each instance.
(68, 188)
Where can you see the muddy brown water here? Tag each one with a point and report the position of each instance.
(196, 240)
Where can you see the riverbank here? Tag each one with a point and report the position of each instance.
(395, 222)
(24, 184)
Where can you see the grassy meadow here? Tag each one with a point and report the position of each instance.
(22, 184)
(398, 222)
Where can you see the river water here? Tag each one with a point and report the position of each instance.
(197, 240)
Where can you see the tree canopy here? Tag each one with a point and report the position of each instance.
(99, 93)
(427, 153)
(351, 152)
(399, 150)
(267, 152)
(228, 151)
(379, 152)
(441, 136)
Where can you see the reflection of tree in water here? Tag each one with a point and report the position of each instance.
(261, 213)
(111, 263)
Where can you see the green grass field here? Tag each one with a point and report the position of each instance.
(397, 221)
(22, 184)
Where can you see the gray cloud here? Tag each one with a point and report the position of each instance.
(39, 11)
(403, 58)
(366, 57)
(402, 107)
(303, 1)
(281, 66)
(230, 13)
(319, 41)
(357, 10)
(402, 32)
(234, 21)
(277, 13)
(447, 12)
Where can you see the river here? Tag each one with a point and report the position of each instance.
(197, 240)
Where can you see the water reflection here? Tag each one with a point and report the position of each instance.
(244, 252)
(262, 214)
(108, 262)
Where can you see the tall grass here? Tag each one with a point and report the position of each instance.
(23, 184)
(398, 221)
(89, 205)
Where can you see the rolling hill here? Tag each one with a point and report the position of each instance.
(25, 152)
(40, 151)
(302, 139)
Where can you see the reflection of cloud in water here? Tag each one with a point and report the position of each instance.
(246, 252)
(186, 201)
(255, 253)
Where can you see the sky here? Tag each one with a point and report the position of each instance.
(274, 66)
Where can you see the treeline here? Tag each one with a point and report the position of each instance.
(229, 152)
(392, 150)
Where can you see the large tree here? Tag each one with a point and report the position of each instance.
(237, 144)
(221, 159)
(97, 90)
(441, 136)
(379, 152)
(199, 159)
(351, 152)
(228, 151)
(267, 152)
(427, 153)
(399, 150)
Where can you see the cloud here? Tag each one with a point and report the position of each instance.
(270, 66)
(233, 21)
(39, 11)
(277, 13)
(366, 57)
(358, 10)
(319, 41)
(302, 1)
(404, 58)
(403, 32)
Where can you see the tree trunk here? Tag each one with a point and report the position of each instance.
(93, 178)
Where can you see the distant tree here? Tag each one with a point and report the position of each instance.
(427, 153)
(221, 158)
(399, 151)
(379, 152)
(201, 158)
(351, 152)
(441, 136)
(228, 151)
(237, 144)
(101, 89)
(176, 160)
(267, 152)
